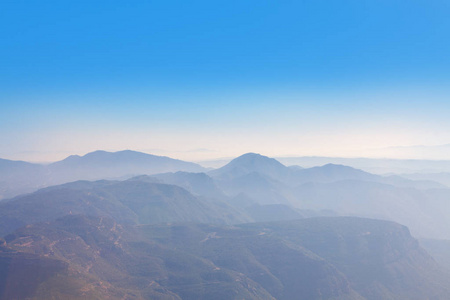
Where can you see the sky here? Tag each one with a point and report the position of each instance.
(209, 79)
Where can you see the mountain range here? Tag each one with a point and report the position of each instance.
(17, 177)
(145, 227)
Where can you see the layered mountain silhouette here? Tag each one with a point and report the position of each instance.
(197, 183)
(253, 229)
(128, 202)
(18, 177)
(337, 189)
(103, 165)
(271, 168)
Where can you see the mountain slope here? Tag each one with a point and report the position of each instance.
(129, 202)
(286, 271)
(315, 258)
(116, 255)
(197, 183)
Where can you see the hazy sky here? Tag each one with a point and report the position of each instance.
(206, 79)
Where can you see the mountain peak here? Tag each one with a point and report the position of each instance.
(249, 163)
(337, 167)
(254, 158)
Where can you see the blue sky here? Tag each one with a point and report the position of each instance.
(276, 77)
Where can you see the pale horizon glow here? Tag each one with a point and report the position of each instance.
(373, 124)
(317, 78)
(338, 124)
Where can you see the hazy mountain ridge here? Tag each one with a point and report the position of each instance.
(129, 202)
(112, 237)
(442, 177)
(103, 165)
(197, 183)
(424, 211)
(20, 177)
(265, 181)
(269, 167)
(373, 165)
(248, 163)
(339, 189)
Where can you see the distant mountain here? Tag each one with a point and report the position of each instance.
(373, 165)
(295, 167)
(261, 188)
(401, 181)
(141, 239)
(266, 181)
(198, 184)
(271, 168)
(13, 168)
(332, 173)
(103, 165)
(187, 235)
(128, 202)
(425, 212)
(257, 177)
(250, 163)
(442, 178)
(18, 177)
(342, 190)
